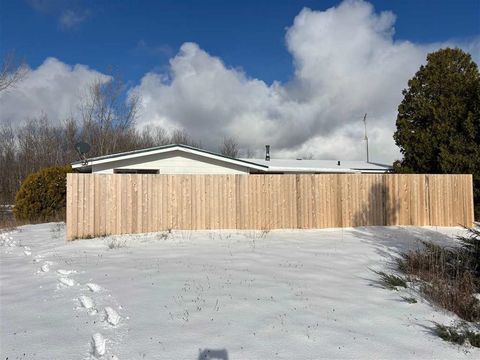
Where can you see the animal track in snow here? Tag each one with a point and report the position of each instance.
(27, 253)
(111, 316)
(66, 281)
(98, 344)
(86, 302)
(94, 287)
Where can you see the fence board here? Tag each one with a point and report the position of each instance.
(102, 204)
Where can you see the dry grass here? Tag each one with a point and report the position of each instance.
(8, 222)
(447, 277)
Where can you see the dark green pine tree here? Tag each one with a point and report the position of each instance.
(438, 121)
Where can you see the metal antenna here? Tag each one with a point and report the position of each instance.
(82, 149)
(366, 137)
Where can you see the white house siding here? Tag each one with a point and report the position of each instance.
(175, 162)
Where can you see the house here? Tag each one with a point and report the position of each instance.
(183, 159)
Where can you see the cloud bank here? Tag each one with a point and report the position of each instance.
(346, 63)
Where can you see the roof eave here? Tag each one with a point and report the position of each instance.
(310, 170)
(169, 148)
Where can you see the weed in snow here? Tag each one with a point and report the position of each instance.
(391, 281)
(57, 230)
(117, 244)
(164, 235)
(185, 235)
(255, 235)
(410, 300)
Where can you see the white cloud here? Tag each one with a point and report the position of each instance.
(69, 18)
(54, 89)
(69, 13)
(346, 64)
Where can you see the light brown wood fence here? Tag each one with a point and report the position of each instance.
(101, 204)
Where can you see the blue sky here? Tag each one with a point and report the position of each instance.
(138, 36)
(299, 75)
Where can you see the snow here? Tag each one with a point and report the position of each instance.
(194, 295)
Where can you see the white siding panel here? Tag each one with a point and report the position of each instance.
(173, 163)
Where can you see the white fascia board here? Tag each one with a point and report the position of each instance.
(76, 166)
(176, 148)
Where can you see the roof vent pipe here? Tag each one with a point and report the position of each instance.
(338, 162)
(267, 152)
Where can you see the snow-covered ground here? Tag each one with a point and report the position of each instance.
(237, 295)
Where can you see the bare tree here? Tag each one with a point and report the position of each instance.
(182, 137)
(153, 136)
(106, 116)
(8, 185)
(229, 148)
(12, 71)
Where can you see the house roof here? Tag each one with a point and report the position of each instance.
(168, 148)
(261, 165)
(330, 166)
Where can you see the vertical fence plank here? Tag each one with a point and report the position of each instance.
(68, 214)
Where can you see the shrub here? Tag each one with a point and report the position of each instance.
(450, 333)
(457, 334)
(42, 196)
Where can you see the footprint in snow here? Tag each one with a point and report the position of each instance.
(27, 253)
(111, 316)
(66, 281)
(98, 344)
(86, 302)
(93, 287)
(65, 272)
(45, 267)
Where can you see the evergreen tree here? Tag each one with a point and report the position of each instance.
(438, 121)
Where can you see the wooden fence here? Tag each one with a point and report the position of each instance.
(103, 204)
